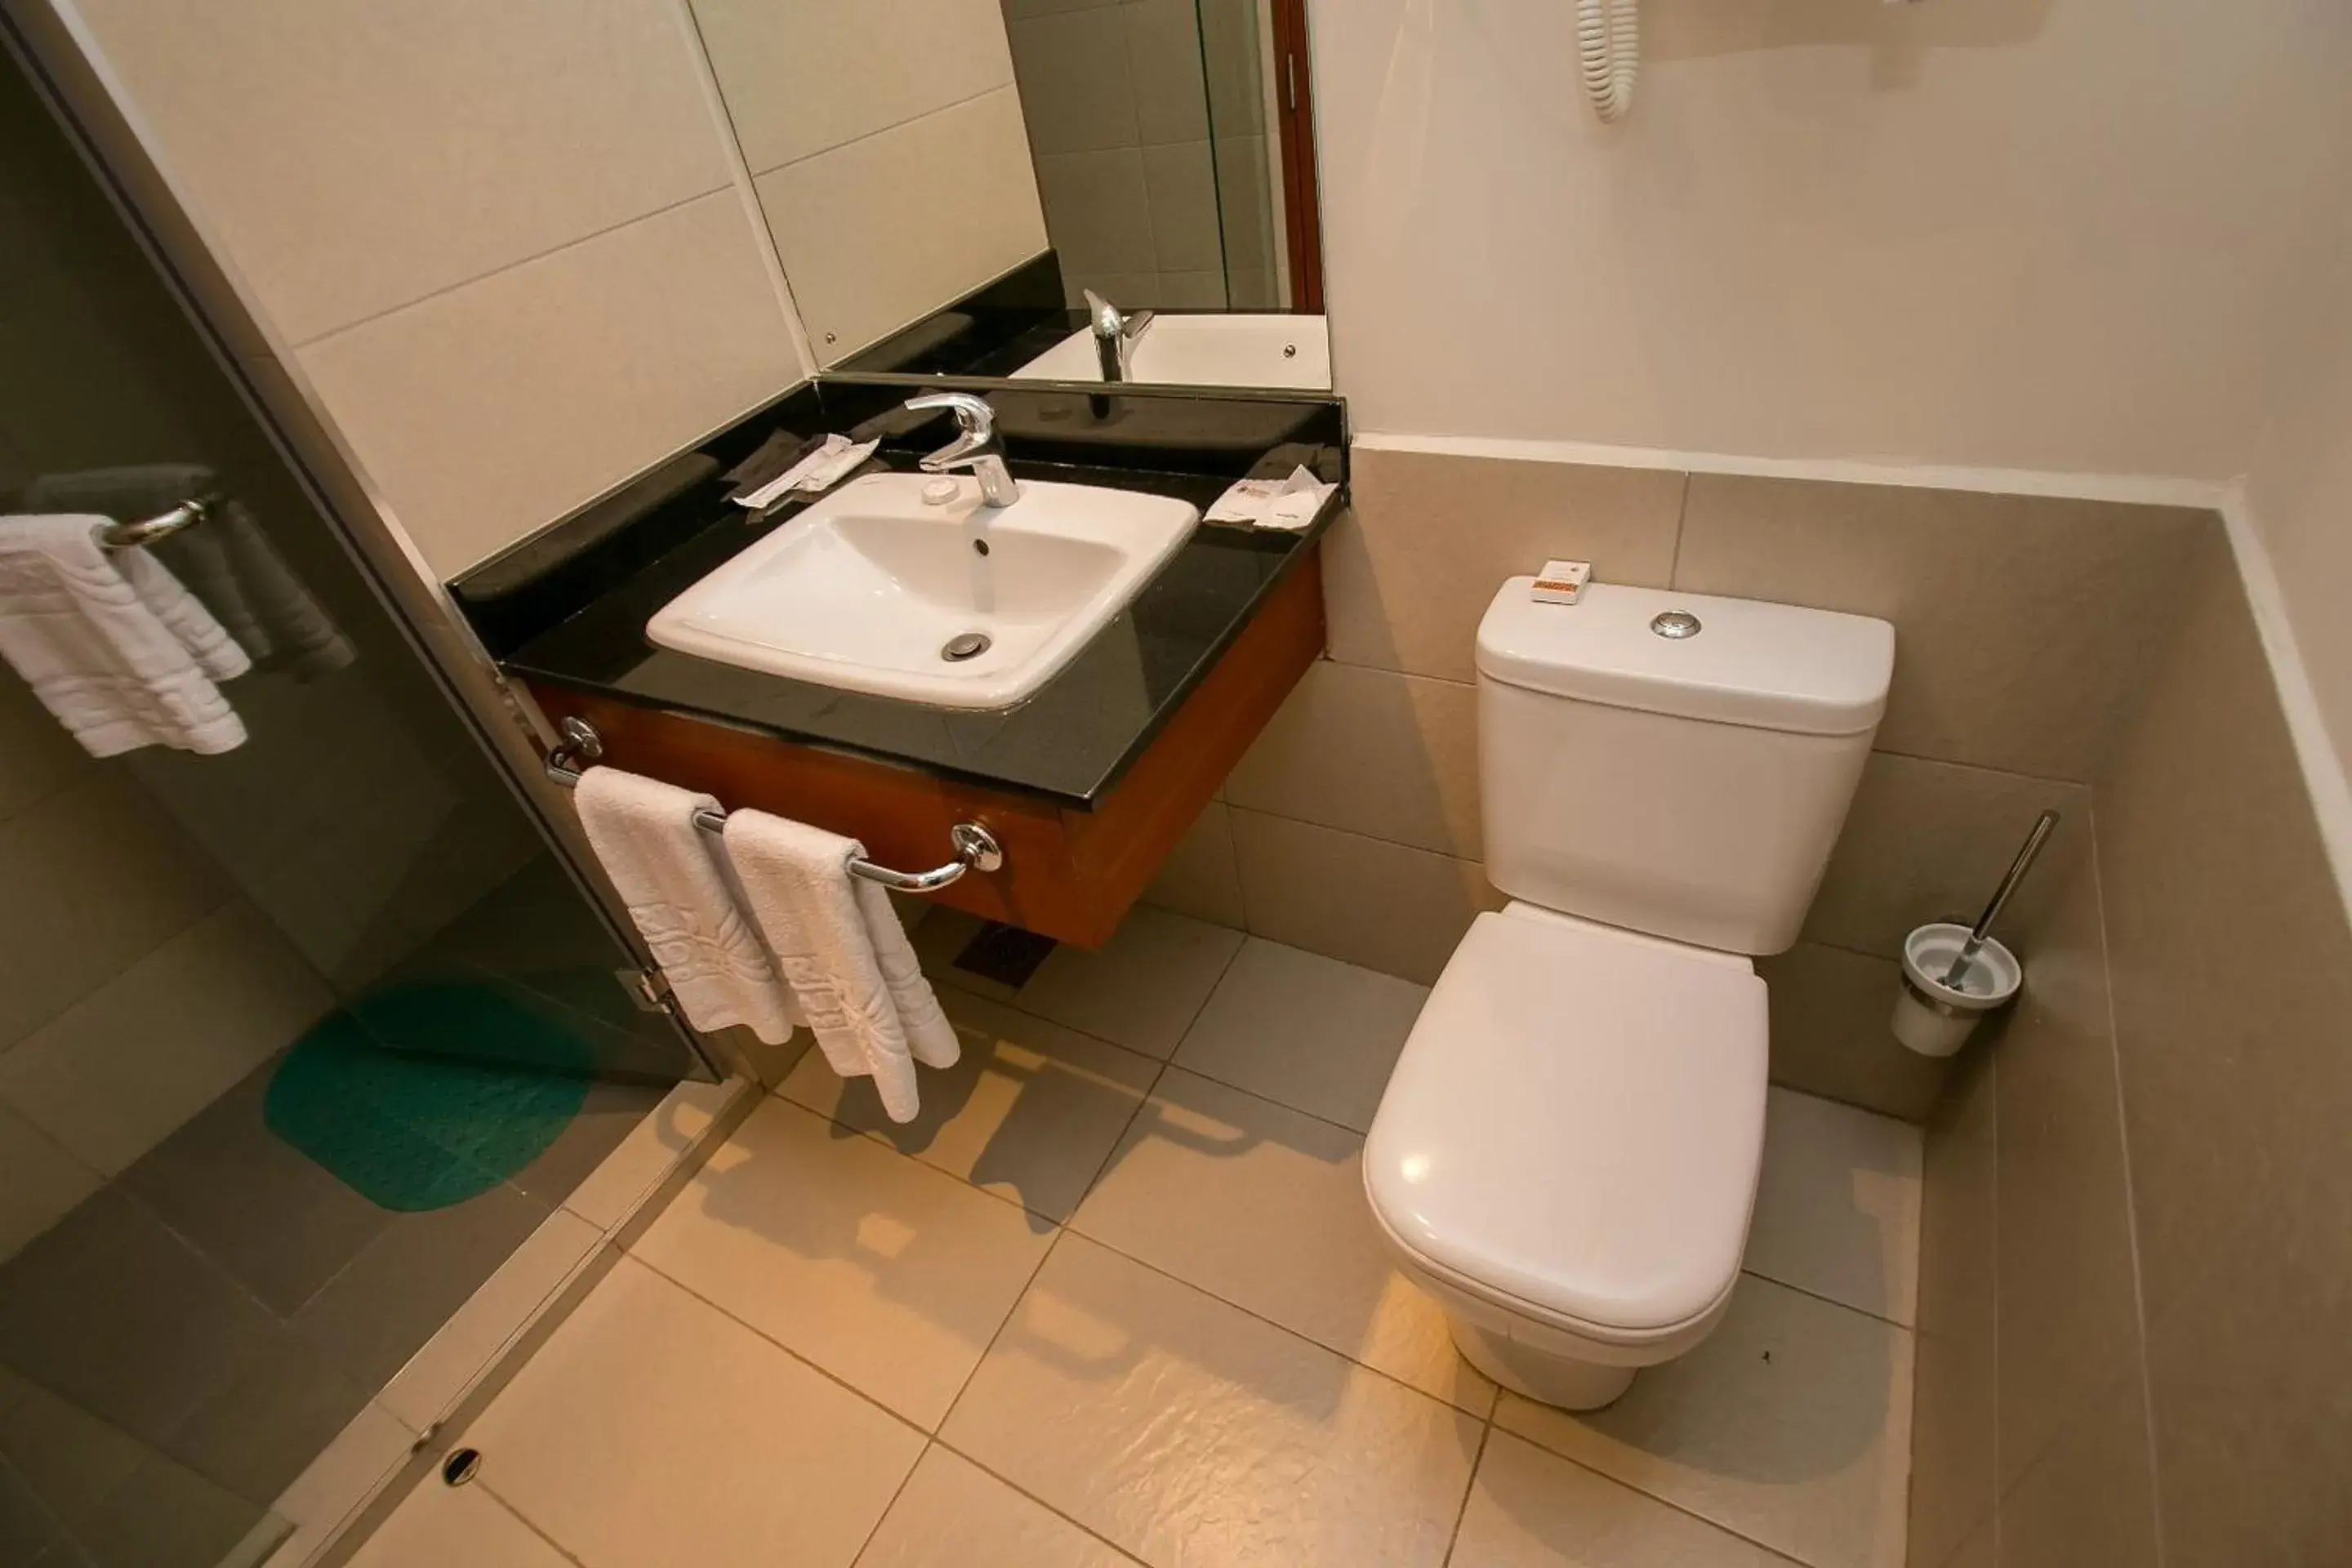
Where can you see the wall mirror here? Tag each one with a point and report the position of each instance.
(1056, 190)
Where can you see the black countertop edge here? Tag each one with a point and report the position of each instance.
(568, 606)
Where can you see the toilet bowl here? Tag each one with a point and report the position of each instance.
(1567, 1152)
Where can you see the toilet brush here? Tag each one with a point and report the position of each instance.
(2017, 869)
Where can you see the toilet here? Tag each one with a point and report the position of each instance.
(1567, 1154)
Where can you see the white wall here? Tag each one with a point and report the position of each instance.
(2059, 235)
(2103, 239)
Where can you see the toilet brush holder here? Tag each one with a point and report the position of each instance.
(1938, 1009)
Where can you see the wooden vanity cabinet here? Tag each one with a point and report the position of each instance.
(1067, 874)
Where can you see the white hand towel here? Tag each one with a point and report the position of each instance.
(842, 952)
(666, 870)
(110, 642)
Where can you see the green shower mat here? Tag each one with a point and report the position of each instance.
(412, 1130)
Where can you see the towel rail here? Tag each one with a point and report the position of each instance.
(976, 848)
(163, 525)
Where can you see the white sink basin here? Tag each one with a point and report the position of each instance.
(867, 589)
(1287, 352)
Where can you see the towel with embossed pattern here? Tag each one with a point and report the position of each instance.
(110, 642)
(841, 949)
(674, 880)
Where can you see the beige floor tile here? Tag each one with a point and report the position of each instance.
(463, 1348)
(653, 1428)
(1529, 1508)
(953, 1514)
(643, 1158)
(1187, 1431)
(1030, 1112)
(1264, 1208)
(1311, 1032)
(889, 1275)
(454, 1524)
(1837, 1210)
(1790, 1425)
(1142, 989)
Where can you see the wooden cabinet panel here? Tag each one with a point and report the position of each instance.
(1067, 874)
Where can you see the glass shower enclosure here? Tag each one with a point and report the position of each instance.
(303, 1025)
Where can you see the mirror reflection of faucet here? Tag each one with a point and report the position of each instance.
(1115, 335)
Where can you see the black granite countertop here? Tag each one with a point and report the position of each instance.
(569, 605)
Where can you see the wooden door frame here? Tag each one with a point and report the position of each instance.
(1295, 125)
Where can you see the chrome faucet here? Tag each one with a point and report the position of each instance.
(1115, 335)
(976, 446)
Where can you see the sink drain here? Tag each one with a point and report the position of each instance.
(965, 646)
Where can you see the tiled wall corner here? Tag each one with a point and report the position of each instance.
(1380, 742)
(1366, 902)
(2023, 623)
(1954, 1489)
(2232, 973)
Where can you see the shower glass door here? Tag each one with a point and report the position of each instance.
(303, 1027)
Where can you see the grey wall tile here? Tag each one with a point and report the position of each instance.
(2232, 971)
(104, 879)
(120, 1317)
(1171, 94)
(1249, 199)
(1362, 900)
(2023, 625)
(1201, 876)
(265, 1213)
(1954, 1488)
(1199, 290)
(1095, 210)
(1180, 182)
(2089, 1494)
(2069, 1311)
(1928, 841)
(38, 757)
(1409, 574)
(1076, 91)
(1831, 1033)
(1387, 756)
(1229, 45)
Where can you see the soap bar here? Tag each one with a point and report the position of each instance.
(1561, 582)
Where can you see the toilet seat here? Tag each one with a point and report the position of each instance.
(1574, 1128)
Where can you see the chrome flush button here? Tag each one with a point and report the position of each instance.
(1675, 624)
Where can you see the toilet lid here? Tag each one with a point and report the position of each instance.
(1577, 1121)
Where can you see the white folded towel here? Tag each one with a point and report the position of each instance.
(842, 952)
(110, 641)
(675, 884)
(228, 562)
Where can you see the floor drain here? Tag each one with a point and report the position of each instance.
(461, 1466)
(965, 646)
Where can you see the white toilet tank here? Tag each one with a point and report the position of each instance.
(1690, 786)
